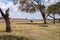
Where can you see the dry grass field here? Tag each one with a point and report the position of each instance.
(25, 30)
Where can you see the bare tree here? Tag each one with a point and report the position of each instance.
(6, 18)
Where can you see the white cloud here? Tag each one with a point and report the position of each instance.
(5, 6)
(46, 0)
(50, 2)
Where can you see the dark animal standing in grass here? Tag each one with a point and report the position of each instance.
(31, 21)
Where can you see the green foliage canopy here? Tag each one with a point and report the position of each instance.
(29, 6)
(54, 8)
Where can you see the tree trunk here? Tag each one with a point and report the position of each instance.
(43, 15)
(8, 26)
(54, 18)
(7, 20)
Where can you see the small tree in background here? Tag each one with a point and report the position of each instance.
(54, 9)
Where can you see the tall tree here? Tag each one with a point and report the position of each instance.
(53, 9)
(32, 6)
(6, 18)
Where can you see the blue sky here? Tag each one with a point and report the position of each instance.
(15, 13)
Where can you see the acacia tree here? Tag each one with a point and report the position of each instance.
(6, 18)
(53, 9)
(32, 6)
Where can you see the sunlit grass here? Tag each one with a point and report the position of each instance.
(33, 31)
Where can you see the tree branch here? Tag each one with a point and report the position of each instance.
(1, 12)
(49, 16)
(7, 12)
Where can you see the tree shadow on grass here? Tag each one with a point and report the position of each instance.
(11, 37)
(39, 24)
(43, 25)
